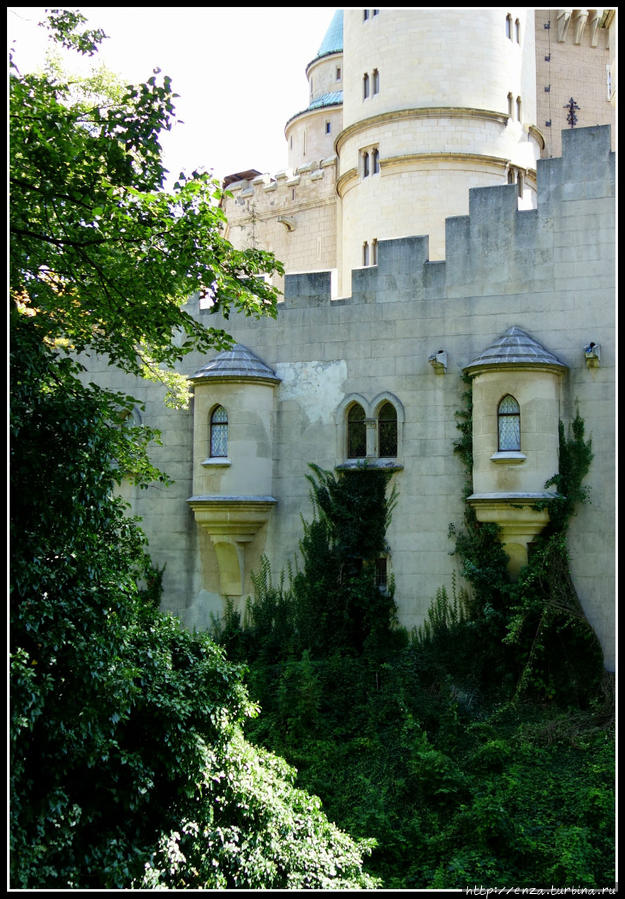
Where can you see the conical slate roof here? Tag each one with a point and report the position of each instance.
(333, 41)
(515, 347)
(238, 363)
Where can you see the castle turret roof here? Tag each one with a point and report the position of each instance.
(333, 41)
(238, 363)
(514, 347)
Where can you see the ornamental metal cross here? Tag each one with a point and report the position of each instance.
(571, 117)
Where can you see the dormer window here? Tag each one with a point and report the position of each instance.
(509, 425)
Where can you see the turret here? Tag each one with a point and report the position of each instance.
(310, 134)
(430, 110)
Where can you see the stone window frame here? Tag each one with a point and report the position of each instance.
(371, 410)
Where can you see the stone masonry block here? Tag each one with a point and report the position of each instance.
(310, 288)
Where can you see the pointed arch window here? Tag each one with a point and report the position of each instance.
(218, 433)
(509, 425)
(375, 158)
(387, 431)
(356, 432)
(376, 81)
(365, 86)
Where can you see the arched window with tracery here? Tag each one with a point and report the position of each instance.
(218, 433)
(509, 425)
(387, 431)
(356, 432)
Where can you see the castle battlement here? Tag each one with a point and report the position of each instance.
(266, 190)
(496, 244)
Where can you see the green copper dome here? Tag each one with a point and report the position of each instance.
(333, 41)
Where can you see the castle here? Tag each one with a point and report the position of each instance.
(447, 210)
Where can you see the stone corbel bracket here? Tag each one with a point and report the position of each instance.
(231, 522)
(520, 517)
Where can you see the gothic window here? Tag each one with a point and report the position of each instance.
(365, 253)
(376, 81)
(365, 165)
(375, 157)
(509, 26)
(365, 86)
(338, 73)
(517, 31)
(374, 252)
(219, 433)
(509, 424)
(387, 431)
(518, 108)
(356, 432)
(510, 105)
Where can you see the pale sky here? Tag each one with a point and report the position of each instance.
(240, 72)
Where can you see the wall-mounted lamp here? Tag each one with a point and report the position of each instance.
(592, 354)
(438, 361)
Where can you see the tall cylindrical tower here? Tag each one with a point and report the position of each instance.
(435, 101)
(310, 134)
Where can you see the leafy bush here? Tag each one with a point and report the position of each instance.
(127, 753)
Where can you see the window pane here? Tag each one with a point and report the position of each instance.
(356, 433)
(509, 420)
(387, 431)
(219, 433)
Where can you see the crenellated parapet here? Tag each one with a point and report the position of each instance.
(265, 195)
(497, 245)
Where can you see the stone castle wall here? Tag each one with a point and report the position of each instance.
(549, 271)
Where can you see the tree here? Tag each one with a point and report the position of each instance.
(128, 762)
(99, 250)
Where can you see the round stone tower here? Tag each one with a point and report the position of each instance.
(311, 133)
(435, 101)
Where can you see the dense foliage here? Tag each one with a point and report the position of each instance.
(99, 249)
(474, 751)
(129, 766)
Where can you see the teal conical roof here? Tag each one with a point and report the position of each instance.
(333, 41)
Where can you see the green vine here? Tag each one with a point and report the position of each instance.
(534, 629)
